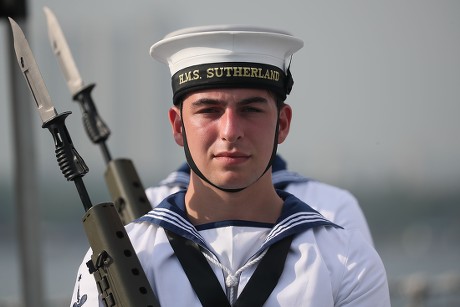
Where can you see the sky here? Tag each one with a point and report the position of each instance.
(375, 100)
(375, 96)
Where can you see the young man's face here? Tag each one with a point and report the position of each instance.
(231, 133)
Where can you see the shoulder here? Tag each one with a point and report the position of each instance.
(336, 204)
(344, 242)
(320, 192)
(356, 271)
(331, 241)
(174, 182)
(156, 194)
(143, 235)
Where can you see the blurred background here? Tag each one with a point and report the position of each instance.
(376, 111)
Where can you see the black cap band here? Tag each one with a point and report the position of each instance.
(229, 75)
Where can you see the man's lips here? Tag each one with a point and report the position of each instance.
(231, 156)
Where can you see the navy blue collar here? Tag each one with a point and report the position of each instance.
(296, 217)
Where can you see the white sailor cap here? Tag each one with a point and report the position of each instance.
(226, 56)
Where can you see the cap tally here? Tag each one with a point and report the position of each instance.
(227, 56)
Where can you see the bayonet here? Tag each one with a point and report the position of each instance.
(95, 127)
(32, 74)
(71, 164)
(62, 52)
(121, 176)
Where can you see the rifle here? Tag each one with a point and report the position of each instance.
(114, 264)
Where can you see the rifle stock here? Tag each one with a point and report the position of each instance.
(114, 264)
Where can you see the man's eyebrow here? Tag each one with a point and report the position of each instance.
(211, 101)
(206, 101)
(254, 99)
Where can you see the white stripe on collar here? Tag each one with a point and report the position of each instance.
(296, 217)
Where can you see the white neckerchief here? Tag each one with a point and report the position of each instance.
(235, 247)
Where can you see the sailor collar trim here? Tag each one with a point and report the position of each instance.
(296, 217)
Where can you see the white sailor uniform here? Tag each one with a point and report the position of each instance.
(325, 266)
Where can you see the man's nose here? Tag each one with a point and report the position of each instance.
(231, 126)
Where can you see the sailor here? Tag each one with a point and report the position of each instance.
(231, 238)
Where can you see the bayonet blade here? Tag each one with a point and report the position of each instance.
(62, 51)
(32, 74)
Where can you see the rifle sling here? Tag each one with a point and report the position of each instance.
(206, 284)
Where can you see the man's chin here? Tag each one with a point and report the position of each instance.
(232, 183)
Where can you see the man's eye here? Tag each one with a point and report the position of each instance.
(251, 109)
(208, 110)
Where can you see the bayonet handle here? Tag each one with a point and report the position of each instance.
(72, 165)
(95, 127)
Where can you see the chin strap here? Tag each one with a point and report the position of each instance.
(195, 169)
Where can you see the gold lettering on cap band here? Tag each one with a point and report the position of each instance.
(189, 76)
(229, 75)
(240, 71)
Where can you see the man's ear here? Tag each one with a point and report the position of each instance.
(284, 122)
(176, 125)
